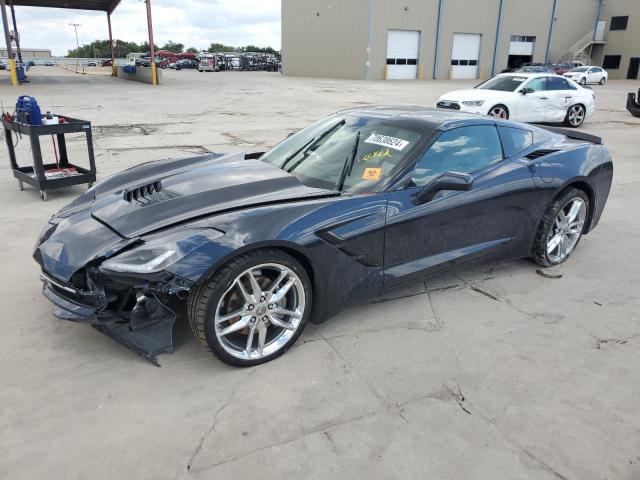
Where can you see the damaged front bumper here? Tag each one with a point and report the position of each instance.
(135, 314)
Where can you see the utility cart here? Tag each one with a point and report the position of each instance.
(50, 175)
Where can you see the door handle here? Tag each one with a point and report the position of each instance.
(543, 98)
(569, 97)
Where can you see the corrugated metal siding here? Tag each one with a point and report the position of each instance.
(420, 15)
(524, 17)
(459, 17)
(625, 43)
(574, 19)
(334, 43)
(331, 44)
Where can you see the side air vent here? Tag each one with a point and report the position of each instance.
(539, 153)
(148, 194)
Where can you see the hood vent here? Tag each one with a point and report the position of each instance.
(148, 194)
(539, 153)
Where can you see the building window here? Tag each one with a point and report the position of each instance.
(523, 38)
(619, 23)
(612, 62)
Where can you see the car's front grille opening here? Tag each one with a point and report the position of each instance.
(448, 105)
(148, 194)
(540, 153)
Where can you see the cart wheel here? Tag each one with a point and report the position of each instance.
(89, 185)
(20, 185)
(43, 195)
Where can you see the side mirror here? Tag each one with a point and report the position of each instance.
(526, 90)
(292, 133)
(447, 181)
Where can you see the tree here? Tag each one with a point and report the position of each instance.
(192, 50)
(100, 49)
(173, 47)
(219, 47)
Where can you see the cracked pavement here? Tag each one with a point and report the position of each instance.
(489, 371)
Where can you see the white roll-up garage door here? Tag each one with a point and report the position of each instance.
(465, 55)
(402, 54)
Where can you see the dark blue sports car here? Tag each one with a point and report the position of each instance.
(249, 247)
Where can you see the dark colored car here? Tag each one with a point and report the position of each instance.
(250, 247)
(186, 63)
(534, 69)
(106, 63)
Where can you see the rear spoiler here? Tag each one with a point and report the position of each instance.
(572, 134)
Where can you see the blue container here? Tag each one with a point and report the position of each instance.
(28, 111)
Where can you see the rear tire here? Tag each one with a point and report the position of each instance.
(602, 80)
(232, 293)
(575, 116)
(551, 227)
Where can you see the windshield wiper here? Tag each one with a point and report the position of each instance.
(309, 145)
(348, 164)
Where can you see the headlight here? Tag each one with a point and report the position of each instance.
(160, 251)
(473, 103)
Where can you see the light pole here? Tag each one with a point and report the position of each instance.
(75, 27)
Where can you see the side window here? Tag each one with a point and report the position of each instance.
(559, 83)
(538, 84)
(515, 140)
(464, 150)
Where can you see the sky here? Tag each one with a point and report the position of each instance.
(195, 23)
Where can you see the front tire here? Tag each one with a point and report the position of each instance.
(561, 228)
(252, 309)
(575, 116)
(499, 111)
(583, 81)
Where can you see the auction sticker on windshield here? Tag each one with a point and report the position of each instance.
(385, 141)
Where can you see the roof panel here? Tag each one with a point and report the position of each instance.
(104, 5)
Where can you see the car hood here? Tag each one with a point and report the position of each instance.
(474, 94)
(122, 208)
(227, 184)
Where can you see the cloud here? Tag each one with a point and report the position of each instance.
(194, 23)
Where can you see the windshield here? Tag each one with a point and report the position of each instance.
(580, 69)
(344, 153)
(504, 84)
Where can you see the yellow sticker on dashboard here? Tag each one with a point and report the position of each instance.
(372, 173)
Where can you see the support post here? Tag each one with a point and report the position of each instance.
(113, 56)
(154, 77)
(15, 31)
(11, 60)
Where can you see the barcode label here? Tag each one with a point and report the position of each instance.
(391, 142)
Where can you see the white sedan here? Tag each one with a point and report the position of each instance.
(584, 75)
(526, 97)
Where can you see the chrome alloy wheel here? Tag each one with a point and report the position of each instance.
(576, 115)
(260, 311)
(499, 112)
(566, 230)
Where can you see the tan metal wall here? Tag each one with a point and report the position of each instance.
(421, 15)
(574, 18)
(324, 38)
(29, 53)
(524, 17)
(460, 16)
(334, 43)
(622, 42)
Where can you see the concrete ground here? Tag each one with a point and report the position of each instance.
(490, 372)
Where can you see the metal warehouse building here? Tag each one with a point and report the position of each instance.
(423, 39)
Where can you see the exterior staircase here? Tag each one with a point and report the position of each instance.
(579, 52)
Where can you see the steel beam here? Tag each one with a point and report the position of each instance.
(11, 60)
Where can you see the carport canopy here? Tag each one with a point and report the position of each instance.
(107, 6)
(103, 5)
